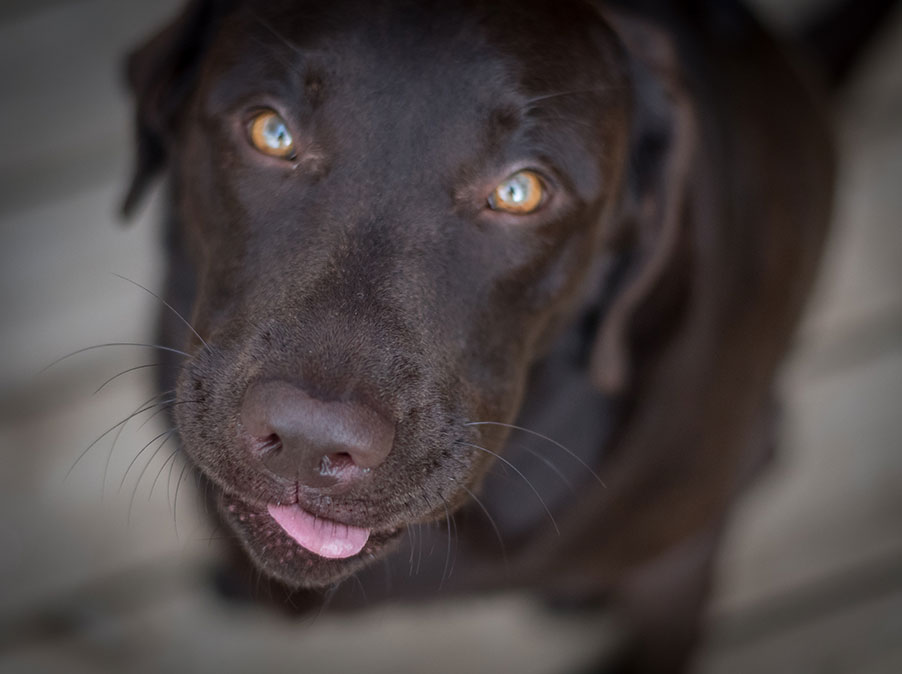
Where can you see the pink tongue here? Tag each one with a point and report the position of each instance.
(323, 537)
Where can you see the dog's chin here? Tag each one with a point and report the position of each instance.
(330, 552)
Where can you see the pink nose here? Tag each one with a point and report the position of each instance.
(317, 443)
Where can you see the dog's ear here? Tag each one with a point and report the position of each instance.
(654, 210)
(160, 74)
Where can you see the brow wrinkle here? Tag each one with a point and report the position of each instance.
(570, 92)
(269, 27)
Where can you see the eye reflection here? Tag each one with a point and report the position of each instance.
(520, 194)
(270, 135)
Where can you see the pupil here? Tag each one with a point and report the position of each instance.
(515, 190)
(276, 134)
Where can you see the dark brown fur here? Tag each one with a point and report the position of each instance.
(637, 319)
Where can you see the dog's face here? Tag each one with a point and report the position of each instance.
(392, 207)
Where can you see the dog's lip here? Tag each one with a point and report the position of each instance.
(323, 537)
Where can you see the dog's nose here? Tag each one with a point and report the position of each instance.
(315, 442)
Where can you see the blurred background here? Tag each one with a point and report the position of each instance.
(99, 571)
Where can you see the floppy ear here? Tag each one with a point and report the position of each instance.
(160, 74)
(661, 154)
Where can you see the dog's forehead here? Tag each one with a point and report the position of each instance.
(456, 79)
(458, 46)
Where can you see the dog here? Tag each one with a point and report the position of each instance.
(519, 270)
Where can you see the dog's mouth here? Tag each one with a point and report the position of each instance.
(299, 547)
(314, 490)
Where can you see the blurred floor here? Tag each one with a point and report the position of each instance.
(96, 574)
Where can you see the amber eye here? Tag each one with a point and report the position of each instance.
(520, 194)
(269, 133)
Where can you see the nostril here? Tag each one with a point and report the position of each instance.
(271, 444)
(316, 442)
(335, 464)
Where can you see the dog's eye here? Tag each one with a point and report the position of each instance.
(269, 134)
(520, 194)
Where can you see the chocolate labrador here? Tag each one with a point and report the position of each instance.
(507, 279)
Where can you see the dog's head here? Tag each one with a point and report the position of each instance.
(393, 208)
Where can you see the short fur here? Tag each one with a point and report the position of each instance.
(637, 319)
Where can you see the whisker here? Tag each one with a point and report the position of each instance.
(525, 479)
(284, 40)
(327, 601)
(543, 437)
(124, 372)
(163, 408)
(131, 501)
(169, 486)
(455, 540)
(423, 537)
(135, 458)
(546, 461)
(153, 484)
(101, 346)
(445, 573)
(167, 406)
(366, 599)
(269, 48)
(419, 552)
(109, 455)
(206, 495)
(410, 538)
(175, 503)
(258, 577)
(432, 526)
(491, 520)
(110, 430)
(566, 120)
(571, 92)
(286, 596)
(162, 405)
(168, 306)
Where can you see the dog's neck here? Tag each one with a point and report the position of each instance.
(562, 404)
